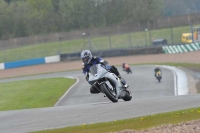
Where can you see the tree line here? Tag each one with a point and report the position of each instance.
(20, 18)
(180, 7)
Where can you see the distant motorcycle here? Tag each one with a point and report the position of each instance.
(158, 75)
(108, 83)
(126, 68)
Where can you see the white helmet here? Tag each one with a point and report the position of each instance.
(86, 56)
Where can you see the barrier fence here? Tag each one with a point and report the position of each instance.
(167, 49)
(76, 56)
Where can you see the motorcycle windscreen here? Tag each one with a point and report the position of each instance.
(93, 69)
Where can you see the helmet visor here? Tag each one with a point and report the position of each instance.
(85, 60)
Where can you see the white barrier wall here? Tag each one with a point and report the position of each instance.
(29, 62)
(51, 59)
(2, 66)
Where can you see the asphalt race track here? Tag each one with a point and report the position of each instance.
(78, 106)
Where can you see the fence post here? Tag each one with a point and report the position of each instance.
(130, 41)
(154, 24)
(110, 44)
(171, 35)
(33, 50)
(4, 52)
(191, 27)
(145, 31)
(150, 36)
(83, 38)
(60, 40)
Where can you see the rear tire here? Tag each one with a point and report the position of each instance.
(108, 93)
(128, 70)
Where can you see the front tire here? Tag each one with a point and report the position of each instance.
(128, 95)
(159, 78)
(108, 93)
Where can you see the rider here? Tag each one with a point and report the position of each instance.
(157, 69)
(89, 60)
(125, 67)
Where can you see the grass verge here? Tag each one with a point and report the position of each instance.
(32, 93)
(139, 123)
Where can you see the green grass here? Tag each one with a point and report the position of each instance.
(133, 39)
(139, 123)
(32, 93)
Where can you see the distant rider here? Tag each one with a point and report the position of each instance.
(88, 60)
(157, 69)
(126, 67)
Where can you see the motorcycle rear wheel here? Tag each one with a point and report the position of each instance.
(108, 93)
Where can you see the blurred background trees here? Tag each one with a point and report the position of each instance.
(20, 18)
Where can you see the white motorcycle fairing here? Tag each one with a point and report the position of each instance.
(106, 82)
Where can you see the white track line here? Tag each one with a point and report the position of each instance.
(77, 80)
(180, 81)
(175, 84)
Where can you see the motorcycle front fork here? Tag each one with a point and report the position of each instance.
(97, 86)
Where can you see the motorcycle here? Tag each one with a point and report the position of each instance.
(108, 83)
(159, 76)
(128, 70)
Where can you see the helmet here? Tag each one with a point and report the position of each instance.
(86, 56)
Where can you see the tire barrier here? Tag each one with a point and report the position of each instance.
(181, 48)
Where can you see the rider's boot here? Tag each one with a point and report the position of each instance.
(123, 82)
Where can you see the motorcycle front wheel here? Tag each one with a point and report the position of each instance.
(127, 96)
(111, 94)
(159, 79)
